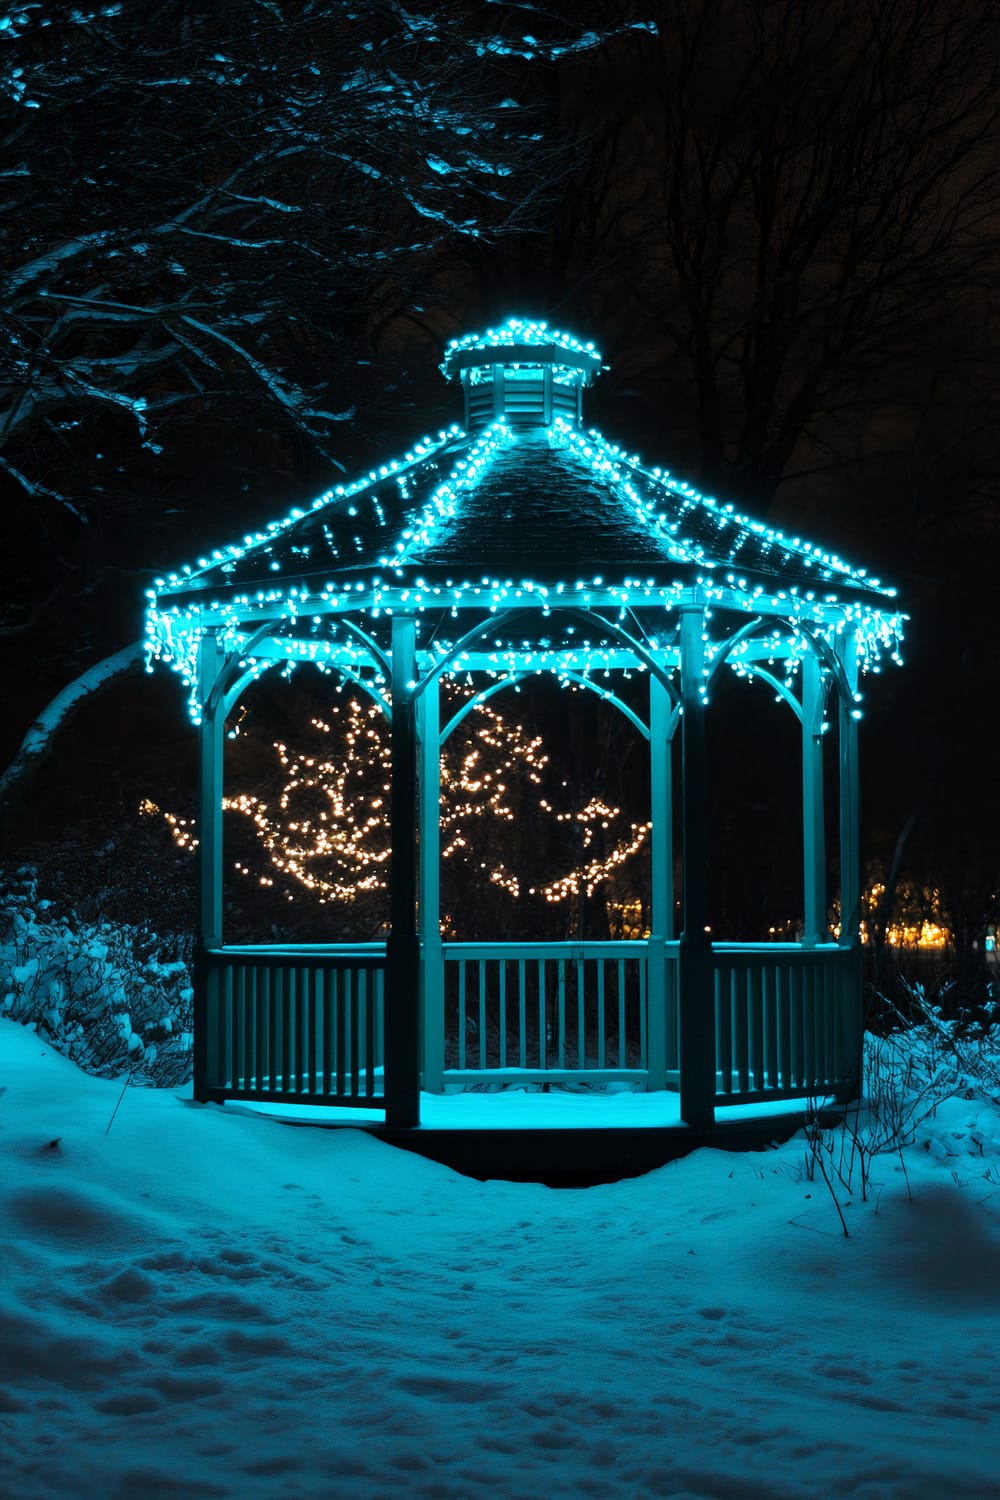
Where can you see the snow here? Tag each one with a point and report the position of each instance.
(200, 1302)
(528, 1108)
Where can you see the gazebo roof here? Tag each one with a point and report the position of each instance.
(523, 508)
(552, 505)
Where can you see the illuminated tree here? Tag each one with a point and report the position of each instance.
(521, 853)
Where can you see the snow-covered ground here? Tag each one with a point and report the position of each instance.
(202, 1303)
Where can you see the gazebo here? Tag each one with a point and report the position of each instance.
(517, 544)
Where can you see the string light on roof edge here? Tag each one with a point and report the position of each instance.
(735, 561)
(235, 552)
(518, 331)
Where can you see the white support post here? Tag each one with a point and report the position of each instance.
(210, 788)
(211, 741)
(662, 1000)
(696, 964)
(850, 845)
(429, 782)
(402, 949)
(813, 829)
(852, 1019)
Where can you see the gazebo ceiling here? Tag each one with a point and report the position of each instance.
(525, 512)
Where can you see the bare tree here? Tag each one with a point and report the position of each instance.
(200, 200)
(209, 214)
(793, 205)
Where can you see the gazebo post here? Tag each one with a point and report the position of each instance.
(852, 1021)
(662, 1017)
(429, 786)
(402, 949)
(210, 789)
(813, 831)
(696, 982)
(850, 853)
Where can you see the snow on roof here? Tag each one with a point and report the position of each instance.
(526, 515)
(552, 504)
(524, 339)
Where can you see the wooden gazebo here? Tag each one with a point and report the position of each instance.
(523, 543)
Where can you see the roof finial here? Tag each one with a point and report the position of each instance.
(523, 372)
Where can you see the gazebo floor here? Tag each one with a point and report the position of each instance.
(565, 1138)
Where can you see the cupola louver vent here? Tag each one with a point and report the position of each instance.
(524, 373)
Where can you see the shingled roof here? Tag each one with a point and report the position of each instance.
(552, 504)
(522, 508)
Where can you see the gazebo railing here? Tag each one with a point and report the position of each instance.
(302, 1024)
(787, 1021)
(546, 1012)
(306, 1023)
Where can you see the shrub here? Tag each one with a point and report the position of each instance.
(924, 1057)
(115, 998)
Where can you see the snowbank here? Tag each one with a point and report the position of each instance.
(203, 1303)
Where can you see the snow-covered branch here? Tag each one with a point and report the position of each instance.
(38, 742)
(204, 205)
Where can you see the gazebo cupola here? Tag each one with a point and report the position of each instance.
(524, 374)
(528, 547)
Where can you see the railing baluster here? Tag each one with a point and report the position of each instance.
(461, 1012)
(561, 1040)
(343, 997)
(822, 1022)
(293, 1000)
(600, 963)
(312, 1077)
(380, 1016)
(502, 967)
(581, 1023)
(673, 1040)
(362, 1009)
(522, 1015)
(240, 1026)
(286, 1009)
(357, 977)
(329, 1013)
(482, 1013)
(276, 1057)
(832, 1010)
(271, 1048)
(543, 1013)
(252, 1066)
(809, 1026)
(756, 995)
(785, 1028)
(741, 1029)
(822, 993)
(724, 1026)
(819, 1026)
(307, 984)
(622, 1015)
(798, 1026)
(224, 1042)
(369, 1035)
(263, 1080)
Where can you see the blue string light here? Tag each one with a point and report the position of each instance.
(725, 561)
